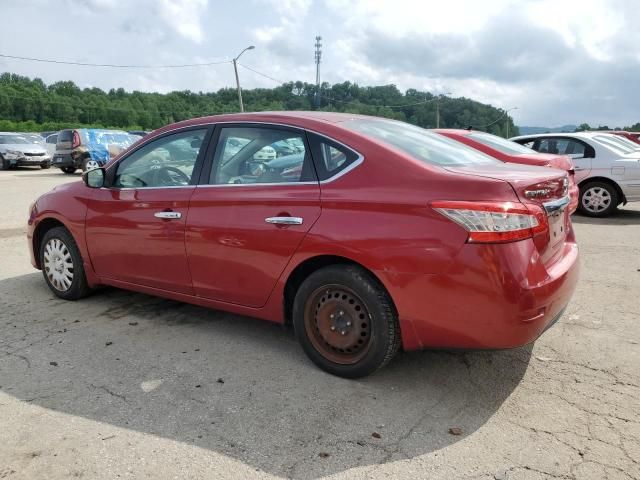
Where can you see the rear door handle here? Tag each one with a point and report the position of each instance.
(167, 215)
(284, 220)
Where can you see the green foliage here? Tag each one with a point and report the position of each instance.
(30, 105)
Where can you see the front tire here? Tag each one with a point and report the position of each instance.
(345, 321)
(598, 199)
(61, 264)
(68, 170)
(45, 166)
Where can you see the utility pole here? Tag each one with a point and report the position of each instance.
(508, 122)
(235, 69)
(438, 108)
(318, 59)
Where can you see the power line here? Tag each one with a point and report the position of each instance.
(280, 82)
(111, 65)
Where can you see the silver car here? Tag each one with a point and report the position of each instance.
(18, 149)
(607, 167)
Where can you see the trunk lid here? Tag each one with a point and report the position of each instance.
(543, 187)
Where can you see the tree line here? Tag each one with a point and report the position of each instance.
(31, 105)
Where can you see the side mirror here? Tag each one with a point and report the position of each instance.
(94, 178)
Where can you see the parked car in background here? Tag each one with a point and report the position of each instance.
(381, 234)
(89, 148)
(50, 142)
(607, 172)
(511, 152)
(23, 149)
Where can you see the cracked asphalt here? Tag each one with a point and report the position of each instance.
(124, 385)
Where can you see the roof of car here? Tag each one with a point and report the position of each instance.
(294, 118)
(561, 134)
(455, 131)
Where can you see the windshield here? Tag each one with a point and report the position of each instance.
(16, 139)
(428, 147)
(501, 144)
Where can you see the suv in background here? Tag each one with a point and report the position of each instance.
(89, 148)
(23, 149)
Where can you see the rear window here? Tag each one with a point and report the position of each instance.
(65, 136)
(500, 144)
(428, 147)
(614, 143)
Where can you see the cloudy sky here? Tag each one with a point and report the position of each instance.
(558, 61)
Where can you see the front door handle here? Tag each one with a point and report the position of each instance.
(167, 215)
(284, 220)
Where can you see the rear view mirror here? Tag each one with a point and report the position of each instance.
(94, 178)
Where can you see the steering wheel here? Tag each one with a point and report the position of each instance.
(171, 176)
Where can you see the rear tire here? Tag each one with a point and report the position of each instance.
(598, 199)
(345, 321)
(68, 170)
(61, 264)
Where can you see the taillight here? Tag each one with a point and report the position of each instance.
(495, 222)
(547, 190)
(76, 140)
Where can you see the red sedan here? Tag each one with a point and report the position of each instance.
(375, 235)
(512, 152)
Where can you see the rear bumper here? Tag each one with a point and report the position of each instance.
(63, 161)
(493, 296)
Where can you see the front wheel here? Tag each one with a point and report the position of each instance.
(346, 321)
(45, 166)
(68, 170)
(61, 264)
(89, 164)
(598, 199)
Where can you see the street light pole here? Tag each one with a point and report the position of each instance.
(438, 108)
(235, 69)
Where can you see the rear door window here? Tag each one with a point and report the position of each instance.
(260, 155)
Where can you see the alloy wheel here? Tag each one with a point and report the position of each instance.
(596, 199)
(91, 165)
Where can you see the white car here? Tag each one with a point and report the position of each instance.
(607, 167)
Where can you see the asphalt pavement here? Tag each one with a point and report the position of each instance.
(125, 385)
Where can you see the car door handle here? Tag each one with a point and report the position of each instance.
(284, 220)
(167, 215)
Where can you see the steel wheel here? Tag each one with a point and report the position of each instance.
(596, 199)
(338, 324)
(58, 264)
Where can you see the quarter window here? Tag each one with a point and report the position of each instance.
(330, 157)
(166, 162)
(255, 155)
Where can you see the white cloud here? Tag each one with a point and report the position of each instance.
(558, 61)
(184, 16)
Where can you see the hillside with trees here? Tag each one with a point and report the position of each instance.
(31, 105)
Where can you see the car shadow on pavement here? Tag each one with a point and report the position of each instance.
(621, 216)
(235, 385)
